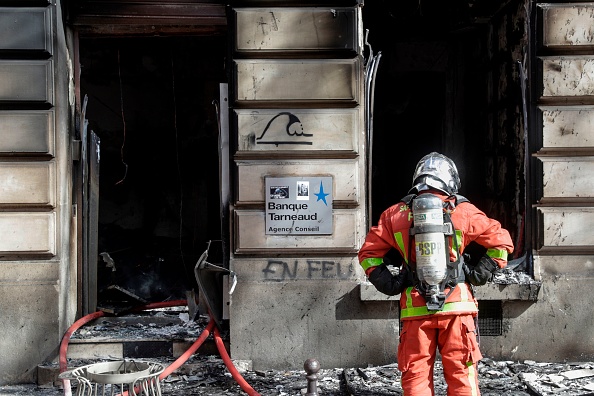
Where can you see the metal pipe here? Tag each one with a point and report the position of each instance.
(371, 67)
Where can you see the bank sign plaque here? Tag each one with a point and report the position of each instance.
(298, 205)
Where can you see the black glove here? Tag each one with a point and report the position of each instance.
(479, 274)
(385, 282)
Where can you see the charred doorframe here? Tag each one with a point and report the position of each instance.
(106, 18)
(533, 183)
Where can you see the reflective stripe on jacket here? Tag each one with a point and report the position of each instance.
(413, 304)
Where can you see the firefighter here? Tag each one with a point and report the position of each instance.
(437, 307)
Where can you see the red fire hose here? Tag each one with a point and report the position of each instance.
(186, 355)
(178, 362)
(231, 367)
(68, 334)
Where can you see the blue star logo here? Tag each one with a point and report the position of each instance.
(322, 195)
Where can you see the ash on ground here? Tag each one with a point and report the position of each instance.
(158, 325)
(207, 375)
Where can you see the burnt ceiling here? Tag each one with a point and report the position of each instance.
(209, 16)
(435, 15)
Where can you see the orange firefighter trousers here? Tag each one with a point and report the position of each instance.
(455, 337)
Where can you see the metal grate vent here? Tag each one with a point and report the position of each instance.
(490, 318)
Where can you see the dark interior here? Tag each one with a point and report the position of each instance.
(429, 93)
(150, 100)
(444, 84)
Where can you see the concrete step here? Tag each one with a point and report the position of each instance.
(135, 348)
(163, 336)
(142, 335)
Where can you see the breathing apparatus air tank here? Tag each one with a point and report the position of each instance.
(430, 244)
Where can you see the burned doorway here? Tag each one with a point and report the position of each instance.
(448, 81)
(429, 93)
(152, 102)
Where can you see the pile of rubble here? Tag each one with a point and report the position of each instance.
(207, 375)
(508, 276)
(495, 377)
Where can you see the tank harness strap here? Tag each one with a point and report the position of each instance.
(455, 275)
(407, 200)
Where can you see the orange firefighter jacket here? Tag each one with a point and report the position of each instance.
(470, 223)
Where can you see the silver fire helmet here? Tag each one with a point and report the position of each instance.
(436, 171)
